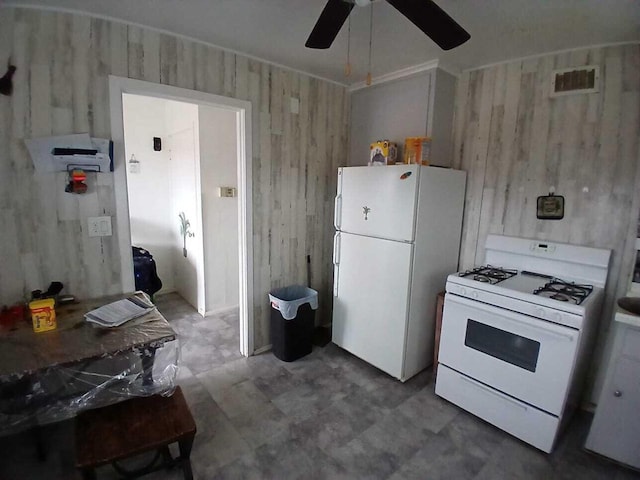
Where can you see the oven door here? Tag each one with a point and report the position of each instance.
(525, 357)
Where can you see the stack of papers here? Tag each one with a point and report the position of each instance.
(116, 313)
(42, 153)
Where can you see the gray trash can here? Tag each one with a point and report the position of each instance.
(292, 321)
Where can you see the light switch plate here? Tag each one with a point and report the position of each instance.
(294, 105)
(99, 226)
(226, 192)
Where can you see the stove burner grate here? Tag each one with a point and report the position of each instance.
(489, 274)
(562, 291)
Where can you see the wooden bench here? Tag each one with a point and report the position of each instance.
(106, 435)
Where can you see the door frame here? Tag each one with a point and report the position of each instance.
(120, 85)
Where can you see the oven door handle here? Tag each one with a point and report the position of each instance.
(493, 392)
(546, 331)
(550, 329)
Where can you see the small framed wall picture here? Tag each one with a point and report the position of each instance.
(550, 207)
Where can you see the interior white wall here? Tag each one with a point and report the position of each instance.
(219, 167)
(182, 143)
(168, 184)
(414, 106)
(393, 110)
(151, 225)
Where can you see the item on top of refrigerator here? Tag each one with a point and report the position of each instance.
(383, 152)
(417, 150)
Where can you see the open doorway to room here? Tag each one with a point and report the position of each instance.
(162, 151)
(182, 180)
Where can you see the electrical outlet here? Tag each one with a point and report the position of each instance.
(99, 226)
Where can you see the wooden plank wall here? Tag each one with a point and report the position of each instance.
(61, 86)
(516, 142)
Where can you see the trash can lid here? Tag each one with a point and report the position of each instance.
(288, 299)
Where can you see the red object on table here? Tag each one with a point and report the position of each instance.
(9, 317)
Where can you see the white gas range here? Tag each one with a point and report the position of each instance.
(515, 339)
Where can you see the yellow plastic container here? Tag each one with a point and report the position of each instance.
(43, 315)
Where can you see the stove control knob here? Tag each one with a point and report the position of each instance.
(556, 317)
(463, 291)
(540, 312)
(473, 294)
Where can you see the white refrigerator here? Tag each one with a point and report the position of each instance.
(397, 238)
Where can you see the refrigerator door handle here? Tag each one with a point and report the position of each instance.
(336, 262)
(337, 211)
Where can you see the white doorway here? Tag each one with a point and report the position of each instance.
(177, 177)
(163, 164)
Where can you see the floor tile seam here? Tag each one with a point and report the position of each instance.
(348, 467)
(434, 432)
(368, 441)
(242, 413)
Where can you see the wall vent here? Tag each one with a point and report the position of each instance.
(575, 80)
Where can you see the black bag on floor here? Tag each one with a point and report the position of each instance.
(144, 269)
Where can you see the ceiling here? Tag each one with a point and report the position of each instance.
(276, 30)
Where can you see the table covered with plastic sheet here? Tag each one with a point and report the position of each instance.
(51, 376)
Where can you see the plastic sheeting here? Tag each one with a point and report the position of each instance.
(288, 299)
(50, 376)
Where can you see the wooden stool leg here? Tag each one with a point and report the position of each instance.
(89, 474)
(39, 441)
(185, 454)
(166, 456)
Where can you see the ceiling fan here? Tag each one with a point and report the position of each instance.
(425, 15)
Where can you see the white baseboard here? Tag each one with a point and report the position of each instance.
(260, 350)
(164, 291)
(219, 310)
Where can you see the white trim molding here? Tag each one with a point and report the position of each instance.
(388, 77)
(545, 54)
(74, 11)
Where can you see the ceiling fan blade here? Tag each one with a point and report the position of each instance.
(433, 21)
(329, 24)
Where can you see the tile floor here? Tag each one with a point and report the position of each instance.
(326, 416)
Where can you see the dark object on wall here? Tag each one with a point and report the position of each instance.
(74, 151)
(424, 14)
(6, 82)
(145, 272)
(157, 144)
(550, 207)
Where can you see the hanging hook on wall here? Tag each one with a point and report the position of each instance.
(6, 83)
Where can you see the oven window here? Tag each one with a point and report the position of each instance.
(508, 347)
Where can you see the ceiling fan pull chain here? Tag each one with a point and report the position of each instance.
(370, 43)
(347, 67)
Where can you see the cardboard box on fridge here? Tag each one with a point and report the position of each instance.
(417, 150)
(383, 152)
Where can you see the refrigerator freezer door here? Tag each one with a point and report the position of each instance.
(371, 299)
(377, 201)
